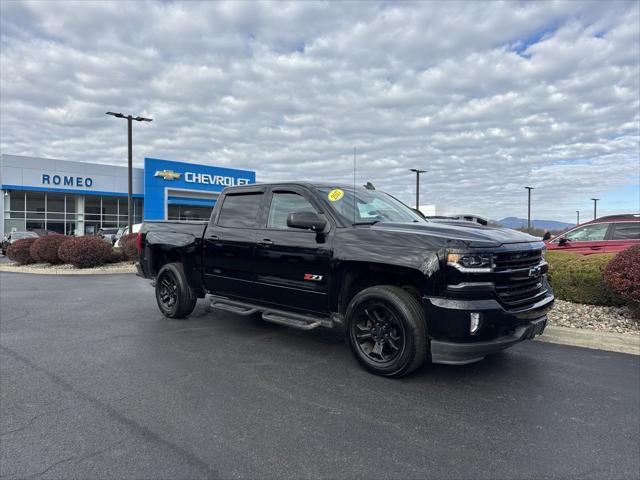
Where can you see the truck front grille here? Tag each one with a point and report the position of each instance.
(517, 293)
(517, 260)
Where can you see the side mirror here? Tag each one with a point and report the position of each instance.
(306, 221)
(562, 242)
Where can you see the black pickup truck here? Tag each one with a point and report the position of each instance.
(308, 255)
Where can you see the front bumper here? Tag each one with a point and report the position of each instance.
(448, 323)
(463, 353)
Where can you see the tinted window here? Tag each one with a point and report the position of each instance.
(588, 233)
(626, 231)
(284, 203)
(240, 211)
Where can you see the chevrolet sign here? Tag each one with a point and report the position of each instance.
(207, 179)
(167, 174)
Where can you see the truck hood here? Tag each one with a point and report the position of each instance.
(474, 234)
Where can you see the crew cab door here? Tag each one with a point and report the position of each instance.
(292, 265)
(229, 244)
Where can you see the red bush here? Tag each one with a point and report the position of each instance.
(115, 256)
(84, 252)
(622, 275)
(45, 249)
(20, 251)
(129, 246)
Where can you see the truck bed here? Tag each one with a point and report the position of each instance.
(177, 234)
(179, 242)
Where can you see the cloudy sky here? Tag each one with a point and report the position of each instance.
(488, 97)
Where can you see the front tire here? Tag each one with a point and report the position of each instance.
(386, 331)
(173, 294)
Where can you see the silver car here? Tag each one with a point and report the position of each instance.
(14, 236)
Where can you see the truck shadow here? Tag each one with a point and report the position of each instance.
(506, 366)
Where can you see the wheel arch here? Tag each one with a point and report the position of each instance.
(161, 255)
(353, 277)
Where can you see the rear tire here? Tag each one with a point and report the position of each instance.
(173, 294)
(386, 331)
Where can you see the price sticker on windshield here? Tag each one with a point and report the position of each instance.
(335, 195)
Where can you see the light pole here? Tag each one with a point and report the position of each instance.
(130, 118)
(595, 203)
(529, 208)
(577, 217)
(418, 172)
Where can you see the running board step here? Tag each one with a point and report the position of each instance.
(290, 321)
(300, 321)
(233, 308)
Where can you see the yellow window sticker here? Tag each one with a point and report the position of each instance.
(335, 195)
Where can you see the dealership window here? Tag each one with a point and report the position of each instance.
(57, 212)
(188, 213)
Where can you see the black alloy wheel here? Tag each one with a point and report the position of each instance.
(168, 290)
(378, 333)
(173, 295)
(386, 330)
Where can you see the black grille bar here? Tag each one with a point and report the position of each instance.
(517, 260)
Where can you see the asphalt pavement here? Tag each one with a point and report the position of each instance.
(96, 383)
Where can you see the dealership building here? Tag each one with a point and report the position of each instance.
(79, 198)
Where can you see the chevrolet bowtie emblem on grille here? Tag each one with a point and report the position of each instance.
(535, 272)
(167, 174)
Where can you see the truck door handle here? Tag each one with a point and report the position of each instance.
(596, 248)
(213, 237)
(265, 242)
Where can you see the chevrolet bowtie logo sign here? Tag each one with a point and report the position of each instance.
(167, 174)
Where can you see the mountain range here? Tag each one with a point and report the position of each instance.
(551, 225)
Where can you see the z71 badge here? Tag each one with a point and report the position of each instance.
(313, 277)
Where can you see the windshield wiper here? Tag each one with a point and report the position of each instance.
(370, 222)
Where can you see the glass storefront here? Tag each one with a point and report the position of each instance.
(67, 214)
(188, 212)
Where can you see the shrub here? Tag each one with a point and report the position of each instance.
(20, 251)
(129, 246)
(84, 252)
(45, 249)
(622, 276)
(115, 255)
(579, 278)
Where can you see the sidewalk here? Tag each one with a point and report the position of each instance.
(613, 342)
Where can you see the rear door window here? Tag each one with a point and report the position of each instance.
(626, 231)
(240, 210)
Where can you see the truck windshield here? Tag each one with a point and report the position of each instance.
(370, 206)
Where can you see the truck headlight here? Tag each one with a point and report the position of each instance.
(470, 262)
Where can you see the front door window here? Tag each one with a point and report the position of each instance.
(588, 233)
(284, 203)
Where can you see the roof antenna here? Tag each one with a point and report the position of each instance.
(354, 185)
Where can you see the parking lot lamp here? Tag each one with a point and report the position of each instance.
(418, 172)
(595, 209)
(130, 118)
(577, 217)
(529, 208)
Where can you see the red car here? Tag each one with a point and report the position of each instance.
(609, 234)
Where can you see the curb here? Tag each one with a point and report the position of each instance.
(597, 340)
(61, 271)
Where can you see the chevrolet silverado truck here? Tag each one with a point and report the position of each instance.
(309, 255)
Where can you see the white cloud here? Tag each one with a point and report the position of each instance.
(487, 97)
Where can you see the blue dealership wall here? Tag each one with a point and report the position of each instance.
(161, 175)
